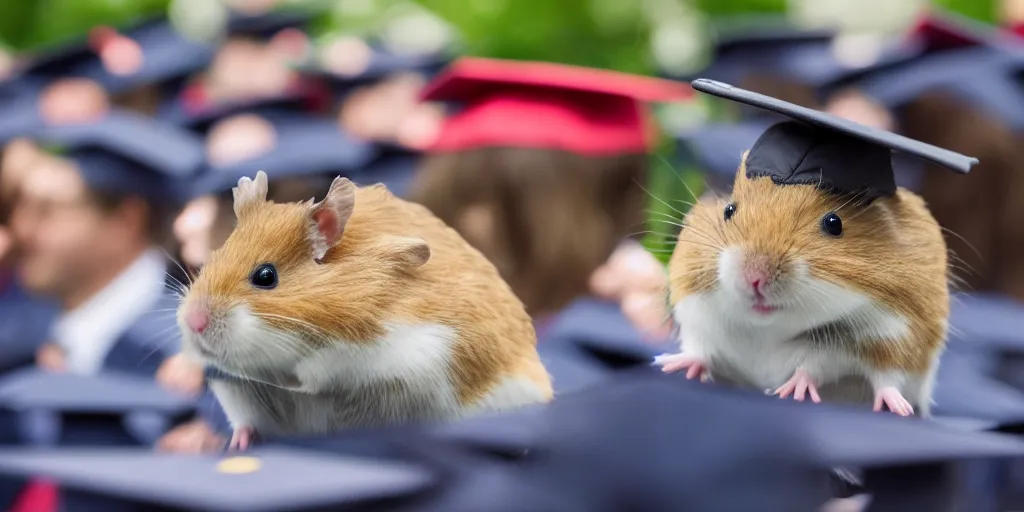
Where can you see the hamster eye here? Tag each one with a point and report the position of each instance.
(265, 276)
(730, 210)
(832, 224)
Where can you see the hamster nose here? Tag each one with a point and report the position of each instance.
(197, 320)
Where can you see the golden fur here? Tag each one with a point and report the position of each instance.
(369, 278)
(891, 250)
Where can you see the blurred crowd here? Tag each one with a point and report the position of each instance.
(120, 152)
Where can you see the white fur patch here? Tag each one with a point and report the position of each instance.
(763, 350)
(402, 377)
(511, 392)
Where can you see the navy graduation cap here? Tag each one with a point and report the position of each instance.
(718, 148)
(165, 57)
(836, 154)
(304, 146)
(951, 54)
(50, 408)
(266, 25)
(381, 64)
(771, 45)
(130, 154)
(266, 479)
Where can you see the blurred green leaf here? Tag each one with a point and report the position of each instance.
(983, 10)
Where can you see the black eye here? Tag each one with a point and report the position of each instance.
(832, 224)
(730, 210)
(265, 276)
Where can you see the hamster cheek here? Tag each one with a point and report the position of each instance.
(251, 340)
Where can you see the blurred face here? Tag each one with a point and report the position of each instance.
(391, 111)
(73, 100)
(248, 69)
(194, 229)
(61, 235)
(862, 109)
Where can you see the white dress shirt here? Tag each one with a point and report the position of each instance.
(88, 332)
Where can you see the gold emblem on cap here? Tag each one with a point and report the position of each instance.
(239, 465)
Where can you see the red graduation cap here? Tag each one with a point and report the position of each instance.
(940, 30)
(547, 106)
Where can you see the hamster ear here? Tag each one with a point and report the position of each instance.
(411, 252)
(741, 171)
(249, 192)
(330, 216)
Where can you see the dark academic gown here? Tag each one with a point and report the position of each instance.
(639, 441)
(588, 341)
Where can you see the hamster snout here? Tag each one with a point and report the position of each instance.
(761, 281)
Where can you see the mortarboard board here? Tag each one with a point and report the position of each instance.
(834, 153)
(265, 479)
(546, 106)
(379, 65)
(304, 147)
(130, 154)
(49, 407)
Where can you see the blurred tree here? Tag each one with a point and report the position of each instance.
(983, 10)
(35, 23)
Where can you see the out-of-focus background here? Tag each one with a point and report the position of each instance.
(124, 125)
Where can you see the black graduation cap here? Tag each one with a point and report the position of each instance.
(130, 154)
(834, 153)
(304, 146)
(264, 479)
(62, 408)
(303, 97)
(20, 112)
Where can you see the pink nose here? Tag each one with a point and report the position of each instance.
(197, 320)
(758, 281)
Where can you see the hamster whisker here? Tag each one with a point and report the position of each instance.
(176, 288)
(174, 260)
(660, 200)
(671, 167)
(312, 330)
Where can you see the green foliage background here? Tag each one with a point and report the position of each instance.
(612, 34)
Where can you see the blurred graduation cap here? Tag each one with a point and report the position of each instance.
(267, 25)
(773, 46)
(718, 147)
(835, 154)
(946, 53)
(303, 146)
(265, 479)
(150, 52)
(129, 154)
(67, 409)
(547, 106)
(365, 63)
(598, 330)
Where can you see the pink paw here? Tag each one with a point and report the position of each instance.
(799, 385)
(893, 399)
(241, 438)
(694, 366)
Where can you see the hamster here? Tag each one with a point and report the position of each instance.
(362, 310)
(789, 289)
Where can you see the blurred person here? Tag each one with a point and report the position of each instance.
(378, 100)
(534, 175)
(254, 61)
(24, 320)
(90, 224)
(301, 156)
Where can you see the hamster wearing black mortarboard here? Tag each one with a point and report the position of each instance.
(361, 310)
(818, 276)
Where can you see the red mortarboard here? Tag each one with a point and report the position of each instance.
(547, 106)
(941, 30)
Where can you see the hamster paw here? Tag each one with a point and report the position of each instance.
(893, 400)
(799, 385)
(242, 438)
(694, 366)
